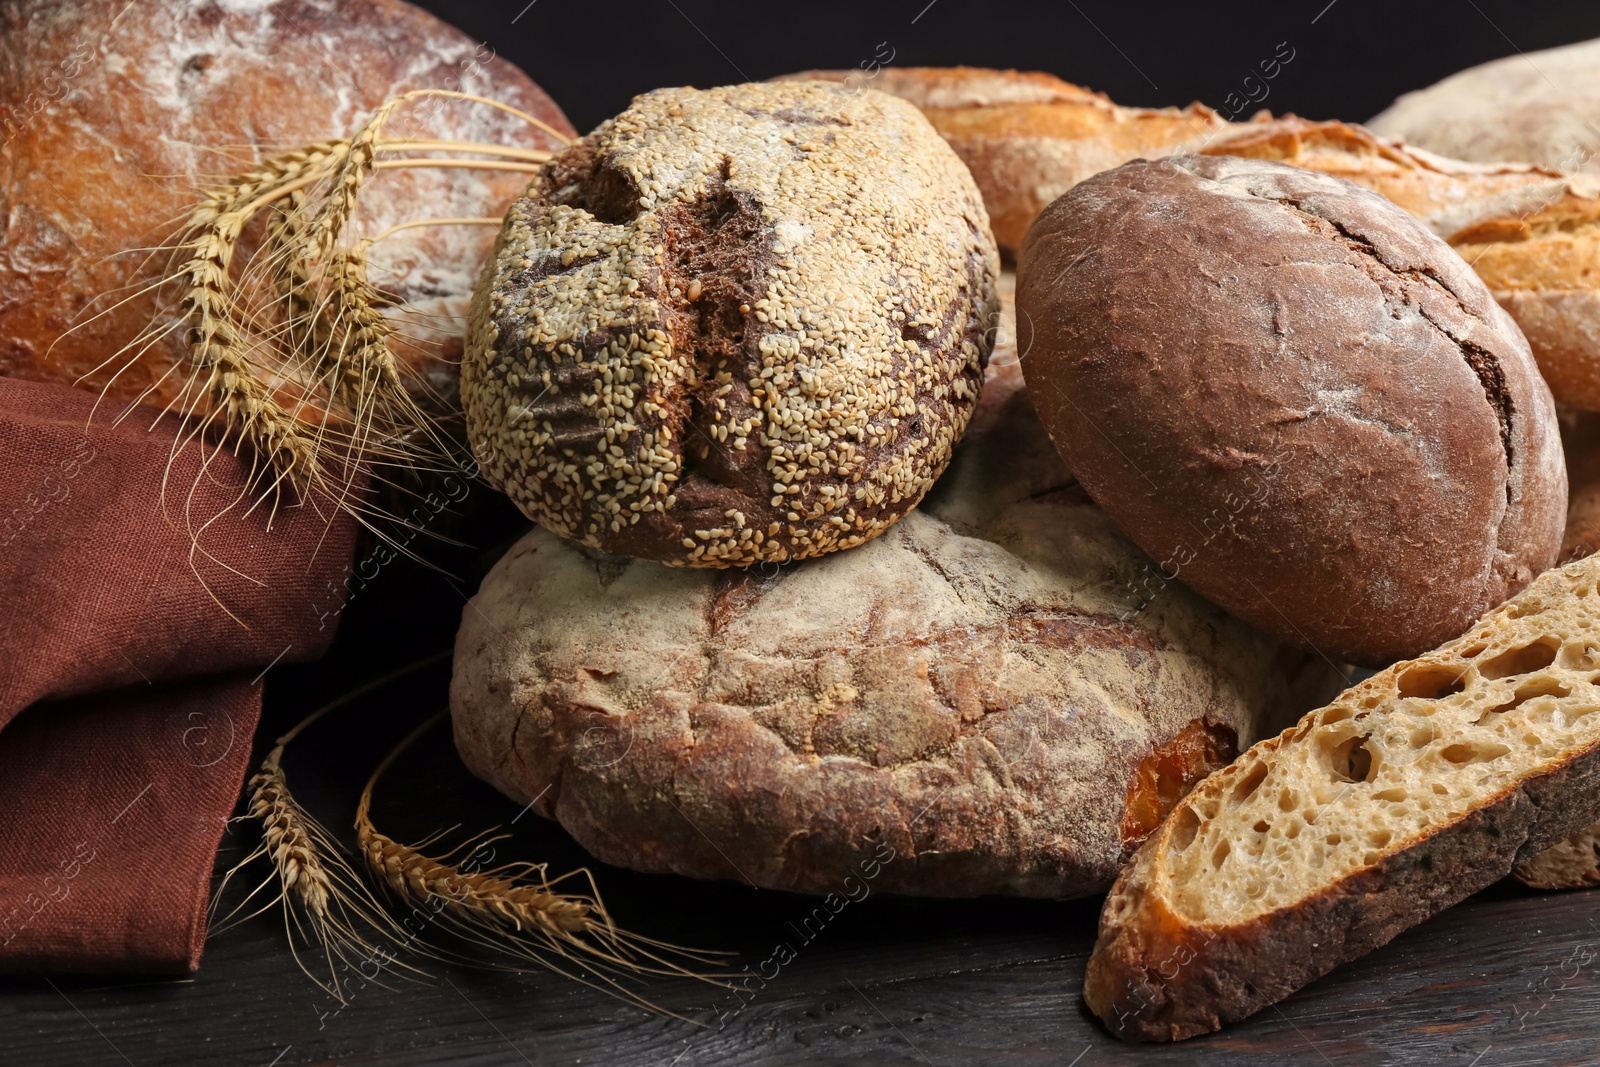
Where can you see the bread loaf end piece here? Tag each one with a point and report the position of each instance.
(1406, 794)
(1571, 863)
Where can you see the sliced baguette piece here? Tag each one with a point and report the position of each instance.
(1406, 794)
(1572, 863)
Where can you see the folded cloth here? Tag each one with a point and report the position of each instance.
(144, 594)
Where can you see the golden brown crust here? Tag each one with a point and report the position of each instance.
(112, 118)
(1028, 136)
(1477, 757)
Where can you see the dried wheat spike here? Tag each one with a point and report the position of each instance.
(324, 901)
(503, 910)
(216, 338)
(288, 842)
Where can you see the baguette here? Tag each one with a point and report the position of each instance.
(1406, 794)
(1027, 137)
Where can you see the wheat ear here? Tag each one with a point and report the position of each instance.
(515, 908)
(216, 336)
(325, 903)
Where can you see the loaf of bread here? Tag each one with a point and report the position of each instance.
(1531, 234)
(113, 118)
(1028, 136)
(1294, 398)
(974, 693)
(734, 325)
(1539, 107)
(1406, 794)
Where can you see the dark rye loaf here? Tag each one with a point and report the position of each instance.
(1293, 397)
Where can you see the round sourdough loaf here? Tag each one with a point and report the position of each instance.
(1294, 398)
(977, 705)
(734, 325)
(1538, 107)
(113, 116)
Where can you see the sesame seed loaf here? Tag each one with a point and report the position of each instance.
(1406, 794)
(735, 325)
(974, 689)
(1295, 398)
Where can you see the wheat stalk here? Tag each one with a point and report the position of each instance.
(287, 835)
(300, 368)
(324, 901)
(216, 337)
(515, 908)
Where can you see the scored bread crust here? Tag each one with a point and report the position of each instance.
(1027, 137)
(1406, 794)
(1268, 373)
(1532, 234)
(734, 325)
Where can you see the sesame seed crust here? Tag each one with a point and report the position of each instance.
(733, 325)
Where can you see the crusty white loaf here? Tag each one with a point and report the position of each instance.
(113, 117)
(1541, 107)
(1409, 792)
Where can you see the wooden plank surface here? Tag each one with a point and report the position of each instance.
(1507, 978)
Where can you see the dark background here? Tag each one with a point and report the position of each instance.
(1350, 63)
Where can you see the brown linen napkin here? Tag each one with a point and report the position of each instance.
(136, 624)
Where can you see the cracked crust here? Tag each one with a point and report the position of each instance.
(1290, 393)
(113, 118)
(731, 326)
(1531, 234)
(976, 693)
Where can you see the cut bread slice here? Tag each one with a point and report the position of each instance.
(1571, 863)
(1409, 792)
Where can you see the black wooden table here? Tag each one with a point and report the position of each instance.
(1509, 977)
